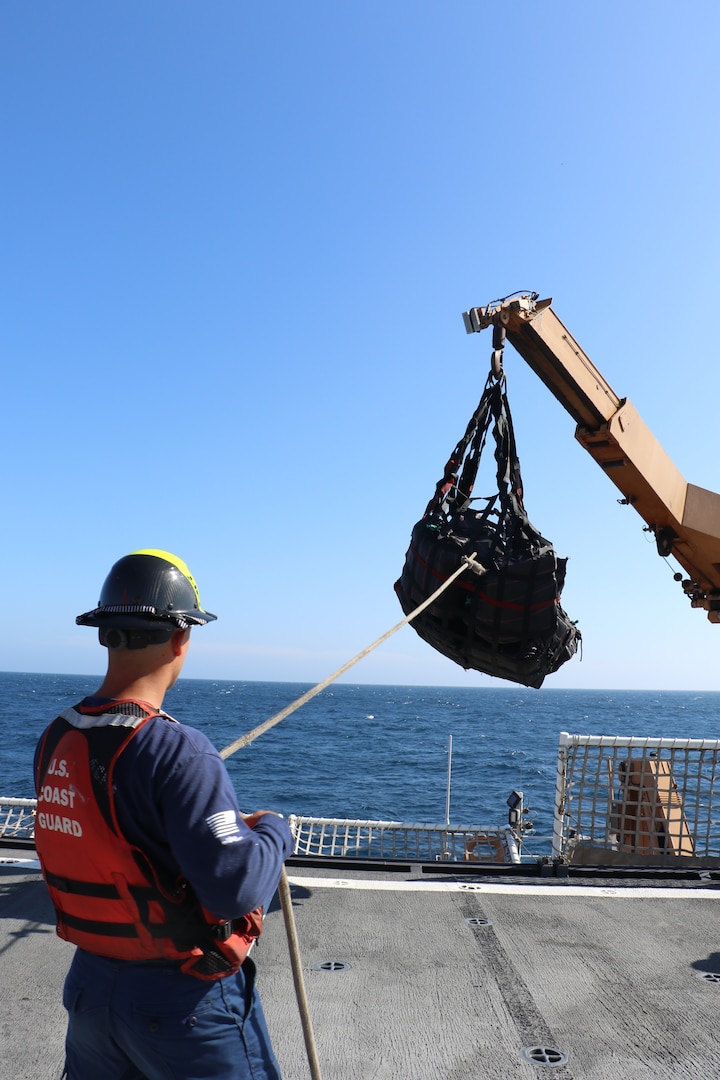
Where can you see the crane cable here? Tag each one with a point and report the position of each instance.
(468, 563)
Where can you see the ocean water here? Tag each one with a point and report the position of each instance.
(377, 751)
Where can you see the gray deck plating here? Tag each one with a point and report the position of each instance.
(33, 962)
(609, 976)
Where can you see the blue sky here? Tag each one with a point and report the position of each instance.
(237, 241)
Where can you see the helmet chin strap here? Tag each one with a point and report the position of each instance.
(114, 638)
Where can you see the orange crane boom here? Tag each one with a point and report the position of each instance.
(684, 518)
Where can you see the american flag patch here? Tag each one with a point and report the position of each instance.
(224, 827)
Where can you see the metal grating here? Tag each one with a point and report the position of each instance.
(544, 1055)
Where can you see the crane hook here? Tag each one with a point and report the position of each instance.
(496, 365)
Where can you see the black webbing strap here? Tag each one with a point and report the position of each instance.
(81, 888)
(454, 489)
(96, 926)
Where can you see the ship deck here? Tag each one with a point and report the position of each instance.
(440, 971)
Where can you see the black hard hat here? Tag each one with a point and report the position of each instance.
(148, 588)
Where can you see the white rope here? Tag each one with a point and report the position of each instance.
(468, 563)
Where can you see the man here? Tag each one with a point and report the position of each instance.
(154, 873)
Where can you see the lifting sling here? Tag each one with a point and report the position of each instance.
(507, 621)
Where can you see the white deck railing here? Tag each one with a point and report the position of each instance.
(17, 819)
(343, 836)
(636, 799)
(401, 840)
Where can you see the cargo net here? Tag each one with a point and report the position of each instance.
(346, 837)
(503, 616)
(17, 819)
(637, 801)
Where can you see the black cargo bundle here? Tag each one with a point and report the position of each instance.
(505, 620)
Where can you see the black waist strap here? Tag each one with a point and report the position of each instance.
(105, 929)
(81, 888)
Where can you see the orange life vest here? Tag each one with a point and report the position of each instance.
(109, 898)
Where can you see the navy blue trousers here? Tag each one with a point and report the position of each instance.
(143, 1022)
